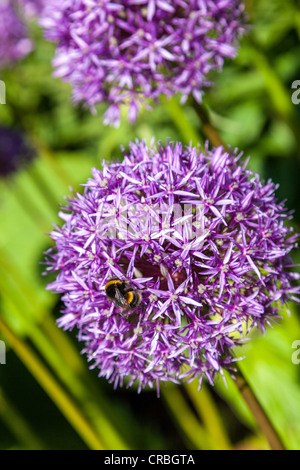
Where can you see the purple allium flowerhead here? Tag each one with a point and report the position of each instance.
(133, 51)
(15, 151)
(14, 41)
(202, 240)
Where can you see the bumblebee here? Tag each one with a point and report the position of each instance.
(122, 294)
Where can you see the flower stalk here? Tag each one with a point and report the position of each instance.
(263, 421)
(193, 432)
(209, 130)
(44, 377)
(209, 415)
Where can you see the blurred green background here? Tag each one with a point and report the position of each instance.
(49, 398)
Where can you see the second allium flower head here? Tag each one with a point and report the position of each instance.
(199, 235)
(15, 151)
(136, 50)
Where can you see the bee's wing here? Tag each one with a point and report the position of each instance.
(120, 299)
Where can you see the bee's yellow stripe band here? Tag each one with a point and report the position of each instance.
(113, 281)
(129, 297)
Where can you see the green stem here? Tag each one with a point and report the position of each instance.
(209, 130)
(179, 117)
(62, 400)
(257, 410)
(278, 94)
(206, 409)
(193, 432)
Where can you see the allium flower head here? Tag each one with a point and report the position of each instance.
(14, 41)
(15, 151)
(135, 50)
(198, 235)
